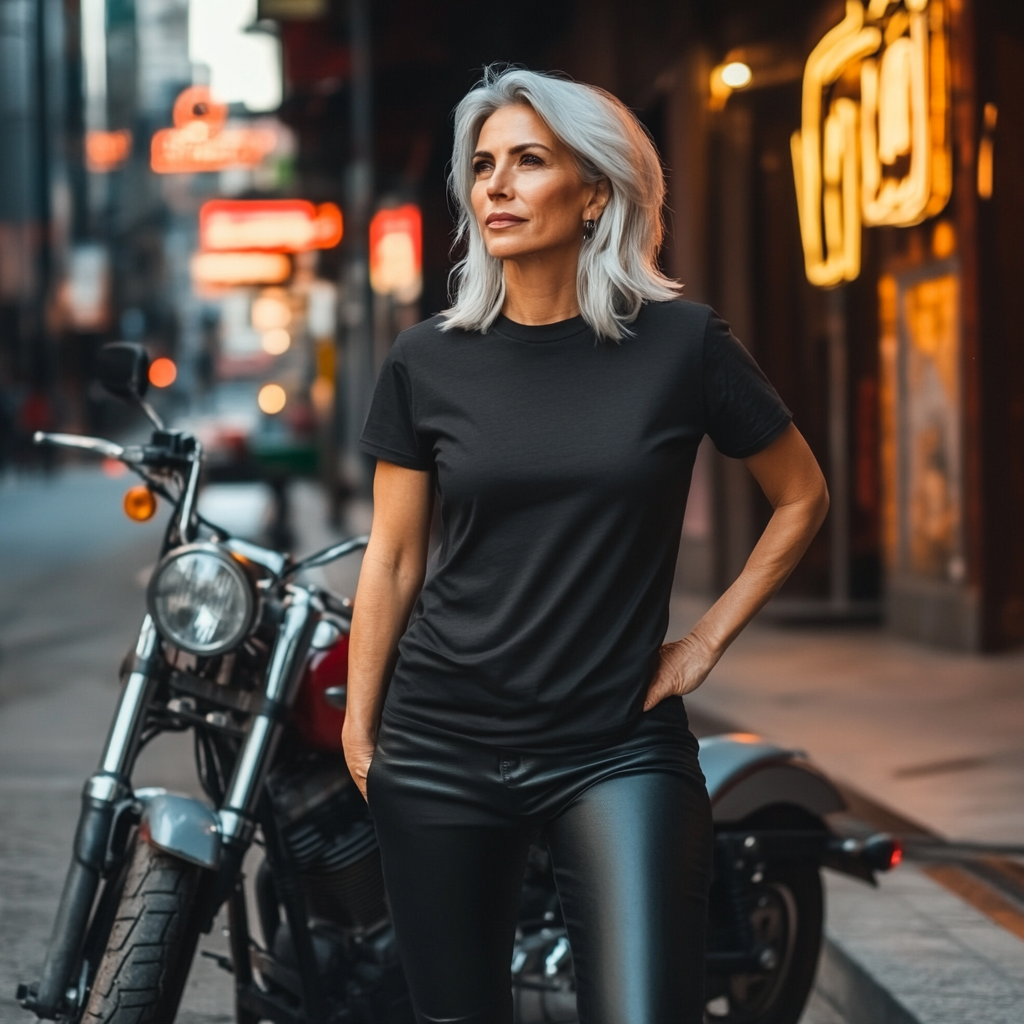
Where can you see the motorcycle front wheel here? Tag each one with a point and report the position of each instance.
(152, 940)
(786, 914)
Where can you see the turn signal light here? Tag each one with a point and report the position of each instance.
(139, 503)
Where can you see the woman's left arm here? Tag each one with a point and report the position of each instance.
(791, 480)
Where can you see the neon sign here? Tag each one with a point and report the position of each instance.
(396, 252)
(874, 145)
(268, 225)
(215, 270)
(199, 140)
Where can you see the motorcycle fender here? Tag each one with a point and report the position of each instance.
(745, 773)
(181, 826)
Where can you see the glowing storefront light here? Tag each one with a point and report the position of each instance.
(162, 372)
(276, 341)
(271, 309)
(737, 75)
(271, 399)
(396, 252)
(268, 225)
(199, 140)
(727, 78)
(904, 115)
(107, 151)
(226, 269)
(986, 152)
(882, 158)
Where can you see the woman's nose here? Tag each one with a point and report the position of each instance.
(499, 184)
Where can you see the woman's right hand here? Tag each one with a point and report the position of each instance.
(359, 746)
(392, 573)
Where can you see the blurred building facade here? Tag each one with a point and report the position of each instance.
(880, 297)
(841, 181)
(847, 203)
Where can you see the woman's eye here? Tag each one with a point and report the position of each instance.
(480, 166)
(531, 158)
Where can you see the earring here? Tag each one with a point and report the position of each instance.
(589, 228)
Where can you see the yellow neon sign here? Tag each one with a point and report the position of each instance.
(873, 146)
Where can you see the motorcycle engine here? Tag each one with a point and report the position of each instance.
(325, 824)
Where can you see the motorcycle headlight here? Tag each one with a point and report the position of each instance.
(201, 599)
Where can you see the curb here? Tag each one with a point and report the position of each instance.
(853, 992)
(913, 952)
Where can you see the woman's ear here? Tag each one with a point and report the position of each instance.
(600, 196)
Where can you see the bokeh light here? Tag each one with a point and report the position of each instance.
(271, 309)
(162, 372)
(736, 74)
(272, 399)
(321, 393)
(277, 341)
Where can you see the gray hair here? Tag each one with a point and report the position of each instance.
(617, 269)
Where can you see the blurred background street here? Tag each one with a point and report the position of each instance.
(254, 190)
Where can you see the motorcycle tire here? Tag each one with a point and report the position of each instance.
(787, 914)
(141, 975)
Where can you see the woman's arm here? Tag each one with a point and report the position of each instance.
(389, 582)
(792, 482)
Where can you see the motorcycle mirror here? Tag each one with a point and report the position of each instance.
(123, 369)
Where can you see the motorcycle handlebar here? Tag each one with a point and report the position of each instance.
(331, 554)
(91, 444)
(138, 457)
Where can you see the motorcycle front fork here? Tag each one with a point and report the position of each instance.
(109, 787)
(238, 811)
(104, 791)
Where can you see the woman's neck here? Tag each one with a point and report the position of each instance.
(541, 289)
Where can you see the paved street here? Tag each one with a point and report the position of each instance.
(75, 569)
(74, 566)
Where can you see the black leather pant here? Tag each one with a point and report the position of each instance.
(629, 832)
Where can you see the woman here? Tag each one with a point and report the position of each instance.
(556, 408)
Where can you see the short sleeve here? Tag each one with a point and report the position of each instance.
(743, 413)
(390, 432)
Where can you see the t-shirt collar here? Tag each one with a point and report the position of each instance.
(537, 333)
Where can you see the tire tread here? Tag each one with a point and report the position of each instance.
(150, 945)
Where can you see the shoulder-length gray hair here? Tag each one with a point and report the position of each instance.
(617, 269)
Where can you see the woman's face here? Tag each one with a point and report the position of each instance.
(528, 196)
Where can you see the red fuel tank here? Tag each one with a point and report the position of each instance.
(316, 717)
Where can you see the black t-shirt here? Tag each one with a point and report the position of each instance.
(563, 465)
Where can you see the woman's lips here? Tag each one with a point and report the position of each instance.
(503, 220)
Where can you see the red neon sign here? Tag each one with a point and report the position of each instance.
(396, 252)
(268, 225)
(200, 142)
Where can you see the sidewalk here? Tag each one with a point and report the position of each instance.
(924, 740)
(939, 736)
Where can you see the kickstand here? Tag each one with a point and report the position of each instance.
(223, 962)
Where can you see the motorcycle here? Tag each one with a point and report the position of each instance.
(254, 663)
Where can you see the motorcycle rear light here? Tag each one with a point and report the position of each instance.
(882, 852)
